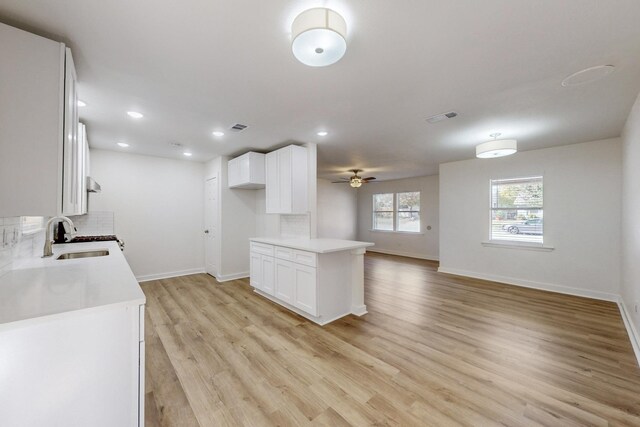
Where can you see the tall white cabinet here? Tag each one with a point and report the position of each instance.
(286, 181)
(41, 153)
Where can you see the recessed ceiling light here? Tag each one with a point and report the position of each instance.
(588, 75)
(123, 144)
(323, 133)
(217, 133)
(188, 154)
(135, 114)
(81, 103)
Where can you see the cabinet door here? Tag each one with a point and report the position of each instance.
(268, 274)
(71, 204)
(272, 185)
(285, 280)
(284, 180)
(232, 173)
(305, 289)
(255, 270)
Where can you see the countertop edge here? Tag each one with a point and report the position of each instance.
(288, 244)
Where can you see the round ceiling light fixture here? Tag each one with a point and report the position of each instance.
(496, 147)
(588, 75)
(319, 37)
(135, 114)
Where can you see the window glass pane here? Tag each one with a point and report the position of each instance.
(409, 201)
(383, 221)
(383, 202)
(409, 221)
(516, 210)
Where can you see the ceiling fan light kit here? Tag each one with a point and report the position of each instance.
(319, 37)
(356, 180)
(496, 147)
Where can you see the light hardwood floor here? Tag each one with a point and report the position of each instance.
(434, 350)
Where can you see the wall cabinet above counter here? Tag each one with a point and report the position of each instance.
(286, 181)
(247, 171)
(42, 161)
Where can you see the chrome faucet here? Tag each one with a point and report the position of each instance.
(47, 251)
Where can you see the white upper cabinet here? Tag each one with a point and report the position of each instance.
(247, 171)
(286, 181)
(39, 145)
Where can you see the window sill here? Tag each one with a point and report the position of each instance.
(517, 245)
(417, 233)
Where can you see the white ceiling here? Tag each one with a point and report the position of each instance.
(194, 66)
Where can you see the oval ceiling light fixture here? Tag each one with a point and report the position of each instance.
(123, 144)
(188, 154)
(496, 147)
(588, 75)
(322, 133)
(135, 114)
(81, 103)
(319, 37)
(217, 133)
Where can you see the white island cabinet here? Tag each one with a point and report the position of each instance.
(72, 341)
(320, 279)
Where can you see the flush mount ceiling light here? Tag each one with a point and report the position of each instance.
(188, 154)
(81, 103)
(496, 147)
(217, 133)
(588, 75)
(135, 114)
(322, 133)
(319, 37)
(123, 144)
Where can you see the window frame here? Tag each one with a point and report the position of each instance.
(395, 213)
(515, 242)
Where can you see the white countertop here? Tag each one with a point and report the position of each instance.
(320, 246)
(37, 288)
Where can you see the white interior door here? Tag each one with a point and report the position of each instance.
(211, 208)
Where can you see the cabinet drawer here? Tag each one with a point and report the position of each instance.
(284, 253)
(262, 248)
(305, 258)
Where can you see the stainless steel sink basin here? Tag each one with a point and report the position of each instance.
(86, 254)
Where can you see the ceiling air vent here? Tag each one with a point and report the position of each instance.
(440, 117)
(238, 127)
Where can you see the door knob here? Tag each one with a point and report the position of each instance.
(206, 231)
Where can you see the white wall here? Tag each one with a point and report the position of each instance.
(158, 205)
(337, 211)
(630, 289)
(582, 200)
(424, 245)
(237, 223)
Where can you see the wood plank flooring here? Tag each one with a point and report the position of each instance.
(434, 350)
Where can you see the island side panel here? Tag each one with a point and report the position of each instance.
(357, 282)
(334, 285)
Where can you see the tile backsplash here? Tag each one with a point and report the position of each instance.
(295, 226)
(20, 237)
(94, 223)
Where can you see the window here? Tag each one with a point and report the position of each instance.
(397, 212)
(383, 212)
(516, 209)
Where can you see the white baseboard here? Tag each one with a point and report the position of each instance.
(534, 285)
(400, 253)
(631, 329)
(234, 276)
(149, 277)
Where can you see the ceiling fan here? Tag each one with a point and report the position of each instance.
(356, 180)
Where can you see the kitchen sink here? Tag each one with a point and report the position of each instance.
(86, 254)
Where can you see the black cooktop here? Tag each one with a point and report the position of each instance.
(102, 238)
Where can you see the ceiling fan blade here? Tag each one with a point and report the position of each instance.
(371, 178)
(339, 182)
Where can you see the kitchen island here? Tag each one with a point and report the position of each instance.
(72, 334)
(319, 279)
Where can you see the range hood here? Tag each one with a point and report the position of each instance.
(92, 186)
